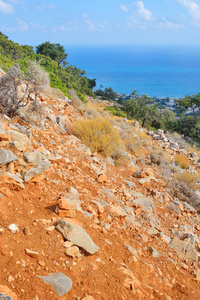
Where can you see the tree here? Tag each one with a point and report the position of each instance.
(54, 51)
(188, 102)
(16, 88)
(142, 108)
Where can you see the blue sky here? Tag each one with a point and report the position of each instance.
(88, 22)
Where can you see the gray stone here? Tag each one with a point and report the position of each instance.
(164, 237)
(35, 172)
(38, 160)
(61, 121)
(77, 235)
(110, 161)
(131, 221)
(6, 156)
(132, 250)
(22, 129)
(152, 231)
(84, 148)
(184, 249)
(174, 208)
(5, 297)
(19, 140)
(2, 128)
(146, 203)
(61, 283)
(14, 177)
(155, 253)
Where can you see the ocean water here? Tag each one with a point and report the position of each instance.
(160, 71)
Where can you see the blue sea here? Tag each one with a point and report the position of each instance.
(157, 71)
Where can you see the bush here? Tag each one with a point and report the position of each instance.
(100, 136)
(182, 161)
(184, 185)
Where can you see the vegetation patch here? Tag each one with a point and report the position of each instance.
(181, 161)
(100, 136)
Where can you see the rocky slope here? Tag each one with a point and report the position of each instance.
(75, 226)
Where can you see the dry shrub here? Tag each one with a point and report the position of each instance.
(184, 185)
(100, 136)
(188, 179)
(182, 161)
(158, 158)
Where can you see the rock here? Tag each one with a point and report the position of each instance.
(39, 160)
(116, 211)
(184, 249)
(155, 253)
(88, 298)
(2, 128)
(61, 283)
(132, 250)
(32, 254)
(67, 244)
(73, 252)
(66, 207)
(6, 156)
(147, 204)
(102, 178)
(152, 231)
(12, 178)
(19, 140)
(13, 228)
(164, 238)
(77, 235)
(137, 174)
(136, 125)
(131, 221)
(174, 208)
(6, 292)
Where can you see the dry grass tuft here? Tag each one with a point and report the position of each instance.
(181, 161)
(100, 136)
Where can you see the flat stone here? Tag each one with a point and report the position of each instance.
(61, 283)
(32, 254)
(132, 250)
(2, 128)
(184, 249)
(116, 211)
(6, 156)
(77, 235)
(152, 231)
(19, 140)
(147, 204)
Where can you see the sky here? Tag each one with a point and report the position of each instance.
(101, 22)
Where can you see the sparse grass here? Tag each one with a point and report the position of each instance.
(100, 136)
(181, 161)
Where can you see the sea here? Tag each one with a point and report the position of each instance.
(157, 71)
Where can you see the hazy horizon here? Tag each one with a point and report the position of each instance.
(147, 22)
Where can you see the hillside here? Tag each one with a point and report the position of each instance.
(140, 240)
